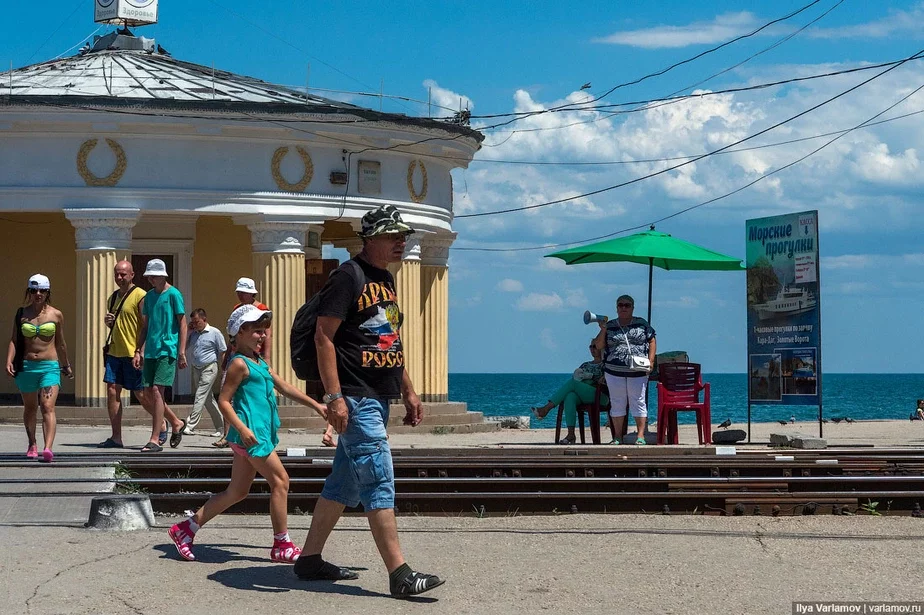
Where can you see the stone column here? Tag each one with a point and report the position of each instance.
(279, 271)
(407, 283)
(104, 237)
(433, 386)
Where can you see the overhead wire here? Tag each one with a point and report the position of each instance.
(67, 20)
(672, 66)
(865, 124)
(700, 157)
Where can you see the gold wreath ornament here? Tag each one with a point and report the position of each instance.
(110, 180)
(417, 197)
(284, 185)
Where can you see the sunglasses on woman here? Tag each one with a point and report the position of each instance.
(33, 291)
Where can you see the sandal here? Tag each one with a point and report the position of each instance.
(109, 443)
(641, 442)
(536, 413)
(222, 443)
(568, 440)
(163, 435)
(177, 435)
(151, 447)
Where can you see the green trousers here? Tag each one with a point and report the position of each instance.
(572, 393)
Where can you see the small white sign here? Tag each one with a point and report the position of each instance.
(725, 450)
(295, 452)
(805, 269)
(370, 177)
(130, 12)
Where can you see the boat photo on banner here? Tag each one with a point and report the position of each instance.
(784, 310)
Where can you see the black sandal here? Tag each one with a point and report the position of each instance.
(177, 436)
(152, 447)
(109, 443)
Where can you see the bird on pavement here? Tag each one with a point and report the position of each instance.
(849, 420)
(824, 420)
(836, 420)
(725, 424)
(783, 422)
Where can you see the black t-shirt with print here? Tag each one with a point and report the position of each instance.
(370, 356)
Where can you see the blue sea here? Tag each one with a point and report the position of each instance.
(859, 396)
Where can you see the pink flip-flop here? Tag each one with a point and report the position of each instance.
(47, 455)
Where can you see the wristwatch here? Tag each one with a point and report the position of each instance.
(329, 397)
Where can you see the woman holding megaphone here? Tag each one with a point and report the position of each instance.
(628, 346)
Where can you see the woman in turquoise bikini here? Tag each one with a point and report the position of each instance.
(36, 357)
(248, 404)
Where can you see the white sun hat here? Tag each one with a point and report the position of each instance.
(244, 314)
(157, 268)
(246, 285)
(39, 282)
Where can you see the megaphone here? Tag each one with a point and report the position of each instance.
(590, 317)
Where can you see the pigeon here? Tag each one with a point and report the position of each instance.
(783, 422)
(836, 420)
(586, 86)
(824, 420)
(725, 424)
(849, 420)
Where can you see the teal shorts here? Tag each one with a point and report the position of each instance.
(160, 372)
(37, 375)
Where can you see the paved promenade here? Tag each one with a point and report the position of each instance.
(520, 564)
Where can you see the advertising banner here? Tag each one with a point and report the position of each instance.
(784, 310)
(130, 12)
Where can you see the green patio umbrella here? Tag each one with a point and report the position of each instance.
(654, 249)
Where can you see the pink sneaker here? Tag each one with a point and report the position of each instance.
(32, 452)
(285, 552)
(47, 455)
(182, 540)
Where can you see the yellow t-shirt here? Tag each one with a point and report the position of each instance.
(125, 329)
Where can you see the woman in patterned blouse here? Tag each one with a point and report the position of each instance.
(581, 389)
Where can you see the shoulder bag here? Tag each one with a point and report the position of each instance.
(636, 364)
(115, 317)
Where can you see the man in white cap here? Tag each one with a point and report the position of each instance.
(361, 363)
(161, 348)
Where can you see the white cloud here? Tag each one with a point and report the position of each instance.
(510, 286)
(538, 302)
(575, 298)
(721, 28)
(446, 102)
(547, 339)
(906, 24)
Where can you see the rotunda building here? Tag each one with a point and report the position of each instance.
(125, 152)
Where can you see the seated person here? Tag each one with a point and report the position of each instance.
(581, 389)
(919, 412)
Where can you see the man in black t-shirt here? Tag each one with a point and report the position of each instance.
(361, 363)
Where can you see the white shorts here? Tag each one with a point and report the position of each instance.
(627, 391)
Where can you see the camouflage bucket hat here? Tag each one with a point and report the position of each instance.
(385, 219)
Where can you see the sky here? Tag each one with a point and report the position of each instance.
(516, 311)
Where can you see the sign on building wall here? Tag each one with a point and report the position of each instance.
(131, 12)
(370, 177)
(784, 310)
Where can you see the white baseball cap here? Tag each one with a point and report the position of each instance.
(246, 285)
(244, 314)
(156, 267)
(39, 282)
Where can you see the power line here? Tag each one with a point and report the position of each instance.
(705, 155)
(67, 20)
(672, 66)
(865, 124)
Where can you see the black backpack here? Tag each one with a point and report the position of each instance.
(301, 338)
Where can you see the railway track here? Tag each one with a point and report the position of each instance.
(491, 482)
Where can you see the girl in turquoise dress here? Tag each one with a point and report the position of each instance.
(248, 404)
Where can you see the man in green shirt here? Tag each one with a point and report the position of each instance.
(161, 348)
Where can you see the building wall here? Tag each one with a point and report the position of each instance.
(37, 243)
(222, 255)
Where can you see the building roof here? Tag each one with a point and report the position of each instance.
(155, 80)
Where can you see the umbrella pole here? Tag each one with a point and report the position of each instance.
(650, 277)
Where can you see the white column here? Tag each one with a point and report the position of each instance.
(434, 307)
(104, 237)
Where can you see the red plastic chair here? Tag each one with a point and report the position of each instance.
(679, 385)
(593, 411)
